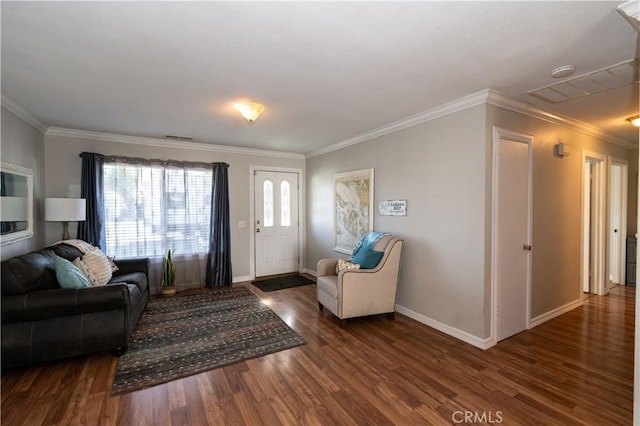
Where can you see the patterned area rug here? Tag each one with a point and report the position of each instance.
(185, 335)
(279, 283)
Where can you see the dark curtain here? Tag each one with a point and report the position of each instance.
(219, 256)
(92, 229)
(4, 226)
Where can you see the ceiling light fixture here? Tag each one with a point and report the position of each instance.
(250, 111)
(635, 120)
(563, 71)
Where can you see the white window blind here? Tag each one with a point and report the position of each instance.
(150, 208)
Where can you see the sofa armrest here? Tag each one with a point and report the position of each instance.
(44, 304)
(127, 266)
(326, 267)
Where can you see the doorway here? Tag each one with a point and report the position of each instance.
(594, 233)
(276, 223)
(511, 237)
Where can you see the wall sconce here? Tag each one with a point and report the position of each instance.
(65, 210)
(560, 150)
(250, 111)
(635, 120)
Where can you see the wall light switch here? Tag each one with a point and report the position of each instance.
(242, 224)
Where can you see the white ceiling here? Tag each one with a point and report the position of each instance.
(325, 71)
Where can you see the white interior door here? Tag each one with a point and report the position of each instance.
(594, 224)
(615, 184)
(586, 230)
(276, 222)
(513, 236)
(618, 181)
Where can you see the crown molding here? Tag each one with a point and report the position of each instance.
(497, 99)
(488, 96)
(26, 116)
(463, 103)
(146, 141)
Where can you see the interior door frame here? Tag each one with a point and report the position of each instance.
(500, 133)
(624, 182)
(599, 219)
(252, 218)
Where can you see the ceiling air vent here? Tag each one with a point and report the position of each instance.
(599, 81)
(631, 12)
(179, 138)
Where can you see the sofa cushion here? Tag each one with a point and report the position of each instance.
(68, 275)
(137, 278)
(65, 251)
(35, 270)
(31, 271)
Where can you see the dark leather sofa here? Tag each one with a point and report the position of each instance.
(41, 321)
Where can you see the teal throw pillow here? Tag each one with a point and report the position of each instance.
(68, 274)
(367, 259)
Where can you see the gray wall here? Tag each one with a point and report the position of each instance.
(23, 145)
(439, 167)
(63, 167)
(443, 168)
(557, 188)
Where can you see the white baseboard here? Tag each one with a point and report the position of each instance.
(555, 313)
(309, 271)
(447, 329)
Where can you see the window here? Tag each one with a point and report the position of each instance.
(267, 193)
(150, 208)
(285, 203)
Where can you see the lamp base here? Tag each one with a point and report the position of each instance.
(65, 231)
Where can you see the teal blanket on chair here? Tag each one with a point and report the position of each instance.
(367, 242)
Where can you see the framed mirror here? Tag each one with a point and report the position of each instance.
(16, 203)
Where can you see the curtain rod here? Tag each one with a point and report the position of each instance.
(137, 160)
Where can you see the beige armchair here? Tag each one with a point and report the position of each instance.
(359, 292)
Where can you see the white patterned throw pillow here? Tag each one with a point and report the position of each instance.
(86, 271)
(345, 264)
(97, 264)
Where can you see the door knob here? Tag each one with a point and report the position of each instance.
(258, 230)
(526, 247)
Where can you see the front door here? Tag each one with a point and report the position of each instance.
(276, 222)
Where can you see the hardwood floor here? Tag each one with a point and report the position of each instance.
(575, 369)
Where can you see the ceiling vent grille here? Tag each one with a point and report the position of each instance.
(603, 80)
(631, 12)
(180, 138)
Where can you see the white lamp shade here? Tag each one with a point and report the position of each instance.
(65, 209)
(13, 209)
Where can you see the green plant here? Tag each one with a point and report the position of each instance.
(168, 271)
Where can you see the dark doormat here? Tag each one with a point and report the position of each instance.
(279, 283)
